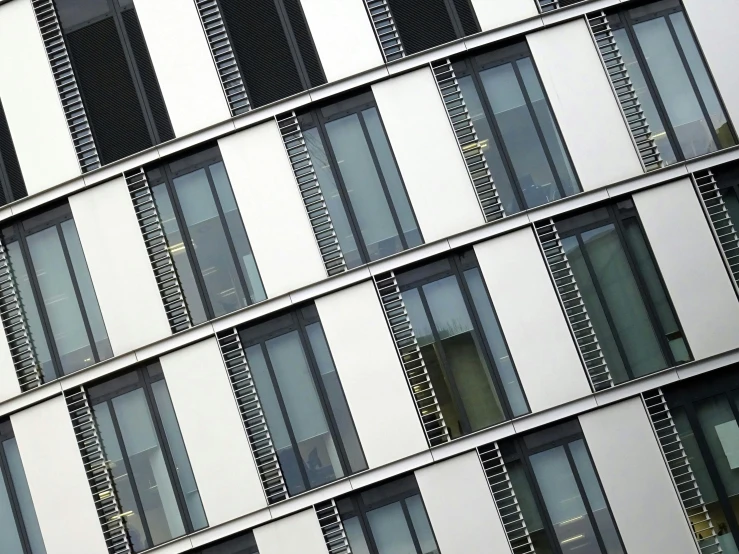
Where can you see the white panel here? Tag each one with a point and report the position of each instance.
(532, 320)
(592, 126)
(714, 21)
(334, 24)
(636, 480)
(460, 506)
(428, 156)
(274, 216)
(119, 266)
(371, 374)
(56, 477)
(214, 435)
(492, 14)
(9, 386)
(183, 64)
(297, 533)
(32, 107)
(681, 239)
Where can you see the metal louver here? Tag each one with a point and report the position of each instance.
(411, 358)
(385, 29)
(573, 305)
(505, 499)
(98, 473)
(252, 415)
(156, 247)
(467, 140)
(223, 56)
(66, 84)
(720, 221)
(681, 473)
(546, 6)
(310, 192)
(623, 88)
(332, 528)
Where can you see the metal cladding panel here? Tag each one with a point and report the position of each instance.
(496, 13)
(296, 533)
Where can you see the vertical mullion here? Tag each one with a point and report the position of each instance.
(287, 28)
(13, 498)
(361, 511)
(411, 529)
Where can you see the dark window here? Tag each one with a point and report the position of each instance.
(623, 291)
(205, 235)
(19, 528)
(423, 24)
(273, 47)
(516, 128)
(462, 344)
(560, 495)
(303, 401)
(388, 518)
(676, 91)
(56, 292)
(727, 178)
(116, 77)
(12, 184)
(360, 180)
(144, 450)
(243, 544)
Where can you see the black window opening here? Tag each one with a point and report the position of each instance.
(19, 528)
(303, 402)
(146, 454)
(462, 344)
(12, 184)
(386, 518)
(516, 128)
(57, 297)
(559, 492)
(673, 83)
(274, 48)
(360, 180)
(623, 291)
(424, 24)
(205, 235)
(727, 178)
(116, 77)
(242, 544)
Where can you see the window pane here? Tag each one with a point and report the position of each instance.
(209, 243)
(519, 134)
(529, 509)
(59, 298)
(244, 544)
(179, 455)
(10, 541)
(390, 530)
(354, 533)
(87, 291)
(722, 435)
(421, 525)
(23, 495)
(237, 231)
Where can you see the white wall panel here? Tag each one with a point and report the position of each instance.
(430, 163)
(370, 372)
(274, 216)
(32, 107)
(460, 506)
(297, 533)
(637, 485)
(492, 14)
(592, 126)
(336, 24)
(9, 386)
(56, 477)
(119, 266)
(690, 262)
(183, 64)
(214, 436)
(538, 337)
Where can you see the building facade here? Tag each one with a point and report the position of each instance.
(369, 276)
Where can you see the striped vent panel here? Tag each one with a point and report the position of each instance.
(304, 40)
(422, 24)
(573, 305)
(683, 478)
(332, 529)
(252, 415)
(551, 5)
(396, 315)
(16, 184)
(385, 29)
(98, 473)
(467, 17)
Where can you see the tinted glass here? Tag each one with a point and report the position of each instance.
(390, 530)
(23, 496)
(10, 541)
(529, 509)
(74, 12)
(421, 525)
(355, 536)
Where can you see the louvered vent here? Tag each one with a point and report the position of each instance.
(551, 5)
(422, 24)
(16, 184)
(467, 17)
(304, 40)
(332, 529)
(385, 29)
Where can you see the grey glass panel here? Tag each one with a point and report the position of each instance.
(209, 243)
(496, 342)
(519, 135)
(421, 525)
(330, 192)
(176, 246)
(355, 535)
(722, 435)
(529, 509)
(23, 495)
(74, 12)
(390, 530)
(87, 291)
(335, 394)
(10, 541)
(237, 231)
(674, 88)
(62, 308)
(176, 445)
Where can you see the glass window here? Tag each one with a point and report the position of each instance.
(301, 395)
(143, 447)
(242, 544)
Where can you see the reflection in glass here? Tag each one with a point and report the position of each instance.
(390, 530)
(23, 495)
